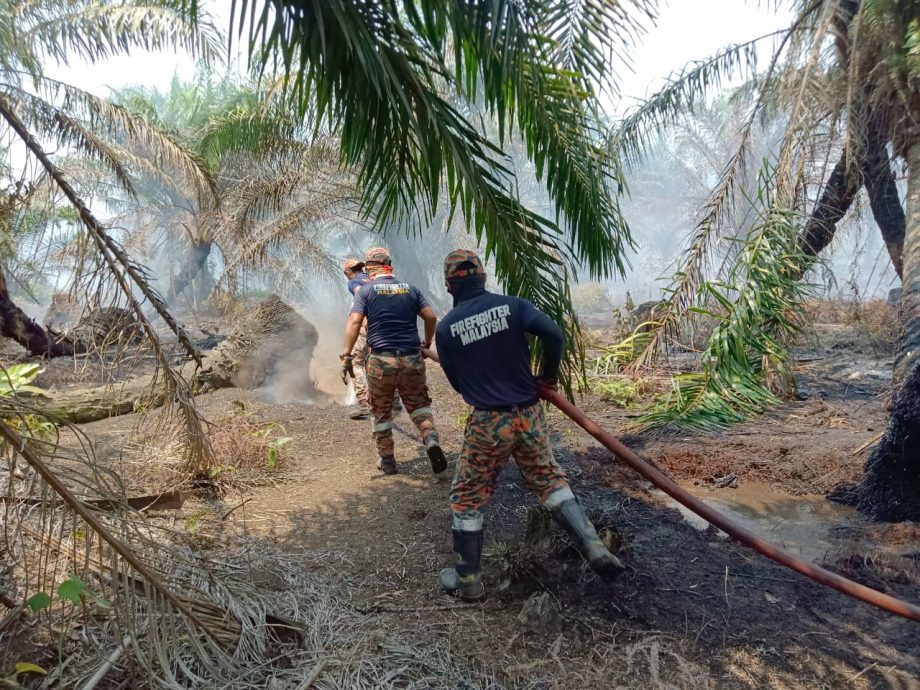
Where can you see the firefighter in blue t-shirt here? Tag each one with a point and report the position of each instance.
(354, 272)
(483, 348)
(392, 309)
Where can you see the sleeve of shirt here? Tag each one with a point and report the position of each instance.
(453, 376)
(539, 324)
(359, 303)
(422, 300)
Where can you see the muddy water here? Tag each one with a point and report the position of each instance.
(810, 527)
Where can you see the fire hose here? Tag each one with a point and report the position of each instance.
(715, 518)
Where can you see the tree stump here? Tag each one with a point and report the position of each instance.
(890, 489)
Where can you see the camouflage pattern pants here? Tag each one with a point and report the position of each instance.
(361, 352)
(491, 437)
(406, 374)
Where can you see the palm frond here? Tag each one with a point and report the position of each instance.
(633, 137)
(757, 309)
(123, 269)
(104, 129)
(375, 78)
(66, 130)
(551, 104)
(95, 31)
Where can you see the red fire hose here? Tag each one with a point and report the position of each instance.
(736, 532)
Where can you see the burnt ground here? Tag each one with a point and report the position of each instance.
(693, 610)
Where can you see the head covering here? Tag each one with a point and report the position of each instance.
(377, 255)
(461, 263)
(352, 264)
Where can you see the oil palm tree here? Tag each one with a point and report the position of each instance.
(37, 109)
(270, 187)
(845, 81)
(391, 81)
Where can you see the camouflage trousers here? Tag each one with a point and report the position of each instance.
(404, 373)
(361, 352)
(491, 437)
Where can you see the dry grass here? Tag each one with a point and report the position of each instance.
(591, 297)
(874, 324)
(246, 450)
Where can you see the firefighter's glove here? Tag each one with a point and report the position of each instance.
(348, 368)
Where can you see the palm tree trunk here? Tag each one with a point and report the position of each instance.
(883, 196)
(195, 261)
(890, 489)
(15, 324)
(838, 195)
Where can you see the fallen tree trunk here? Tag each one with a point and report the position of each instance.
(15, 324)
(271, 347)
(101, 402)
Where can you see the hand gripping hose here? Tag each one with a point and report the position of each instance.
(736, 532)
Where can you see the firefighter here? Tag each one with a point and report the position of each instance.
(483, 348)
(395, 362)
(354, 272)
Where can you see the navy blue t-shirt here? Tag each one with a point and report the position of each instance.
(356, 282)
(391, 308)
(482, 344)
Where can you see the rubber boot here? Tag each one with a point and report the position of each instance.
(360, 411)
(570, 515)
(387, 464)
(435, 455)
(464, 578)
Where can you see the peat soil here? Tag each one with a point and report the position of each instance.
(693, 610)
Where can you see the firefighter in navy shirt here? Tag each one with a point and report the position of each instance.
(357, 278)
(392, 308)
(482, 345)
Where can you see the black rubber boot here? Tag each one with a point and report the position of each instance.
(435, 455)
(464, 578)
(570, 515)
(387, 464)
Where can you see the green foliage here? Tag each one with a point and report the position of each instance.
(39, 601)
(17, 377)
(757, 311)
(275, 445)
(393, 81)
(621, 392)
(274, 449)
(614, 357)
(72, 589)
(21, 668)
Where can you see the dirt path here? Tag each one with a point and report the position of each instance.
(692, 612)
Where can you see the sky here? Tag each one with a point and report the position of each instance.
(687, 30)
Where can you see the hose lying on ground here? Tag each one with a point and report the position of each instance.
(736, 532)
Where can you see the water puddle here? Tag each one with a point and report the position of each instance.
(810, 527)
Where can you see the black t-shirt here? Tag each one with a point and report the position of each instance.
(391, 308)
(482, 344)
